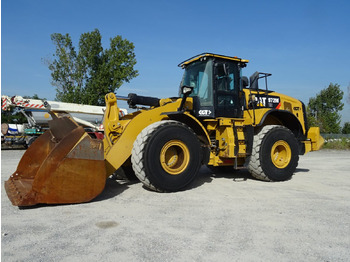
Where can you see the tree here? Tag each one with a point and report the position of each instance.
(346, 128)
(35, 96)
(86, 75)
(323, 109)
(12, 116)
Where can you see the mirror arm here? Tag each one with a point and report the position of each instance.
(186, 91)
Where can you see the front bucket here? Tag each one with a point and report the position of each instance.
(64, 165)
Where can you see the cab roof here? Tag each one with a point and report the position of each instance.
(198, 57)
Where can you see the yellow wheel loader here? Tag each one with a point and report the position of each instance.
(220, 119)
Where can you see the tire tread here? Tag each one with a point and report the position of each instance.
(254, 163)
(137, 155)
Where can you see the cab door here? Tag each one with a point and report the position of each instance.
(227, 90)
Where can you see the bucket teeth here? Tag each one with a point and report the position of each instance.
(19, 190)
(14, 193)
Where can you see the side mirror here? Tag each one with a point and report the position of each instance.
(186, 90)
(245, 81)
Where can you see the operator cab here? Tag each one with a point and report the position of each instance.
(217, 83)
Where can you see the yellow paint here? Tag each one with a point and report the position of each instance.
(288, 103)
(317, 140)
(174, 157)
(281, 154)
(213, 55)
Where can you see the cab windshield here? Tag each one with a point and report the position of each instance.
(199, 76)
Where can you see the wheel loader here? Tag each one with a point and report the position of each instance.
(220, 119)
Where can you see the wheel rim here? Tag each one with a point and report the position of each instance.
(174, 157)
(281, 154)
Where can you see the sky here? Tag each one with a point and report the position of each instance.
(304, 44)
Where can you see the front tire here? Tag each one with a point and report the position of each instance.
(274, 155)
(166, 156)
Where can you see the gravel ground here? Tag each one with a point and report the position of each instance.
(223, 217)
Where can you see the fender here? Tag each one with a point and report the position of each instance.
(192, 122)
(288, 119)
(197, 127)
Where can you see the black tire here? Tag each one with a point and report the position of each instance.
(274, 155)
(166, 156)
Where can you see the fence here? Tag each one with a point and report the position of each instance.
(336, 141)
(335, 136)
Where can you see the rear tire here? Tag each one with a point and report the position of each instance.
(274, 155)
(166, 156)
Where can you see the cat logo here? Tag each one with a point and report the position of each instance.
(204, 112)
(270, 101)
